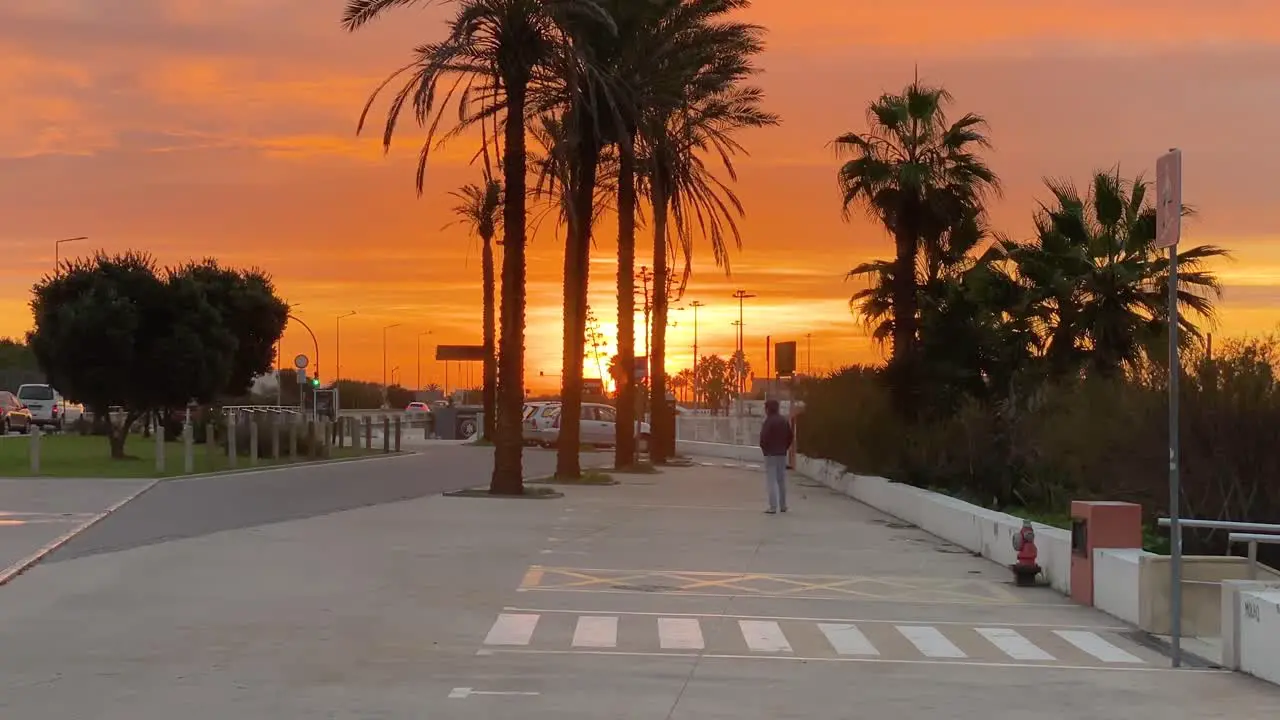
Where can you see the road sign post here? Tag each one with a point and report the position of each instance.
(1168, 233)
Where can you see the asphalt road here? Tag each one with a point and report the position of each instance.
(194, 507)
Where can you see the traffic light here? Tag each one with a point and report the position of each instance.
(315, 382)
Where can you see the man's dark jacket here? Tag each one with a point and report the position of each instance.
(775, 435)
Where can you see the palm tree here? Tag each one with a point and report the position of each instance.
(500, 61)
(479, 209)
(1097, 284)
(913, 171)
(683, 187)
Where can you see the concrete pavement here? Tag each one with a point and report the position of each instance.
(669, 596)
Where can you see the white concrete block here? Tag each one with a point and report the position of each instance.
(1259, 643)
(1117, 583)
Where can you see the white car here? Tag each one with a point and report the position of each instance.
(599, 427)
(48, 408)
(538, 417)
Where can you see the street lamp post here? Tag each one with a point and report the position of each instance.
(337, 346)
(424, 332)
(57, 249)
(384, 360)
(741, 295)
(695, 305)
(808, 363)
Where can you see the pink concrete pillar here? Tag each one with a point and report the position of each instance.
(1095, 525)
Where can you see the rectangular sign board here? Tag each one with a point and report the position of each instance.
(641, 368)
(592, 386)
(1169, 199)
(464, 353)
(784, 358)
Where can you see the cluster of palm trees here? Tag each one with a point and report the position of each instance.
(583, 105)
(967, 310)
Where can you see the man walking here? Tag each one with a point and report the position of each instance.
(775, 441)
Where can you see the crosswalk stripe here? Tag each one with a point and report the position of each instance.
(1012, 643)
(1093, 644)
(847, 639)
(596, 631)
(512, 629)
(930, 642)
(680, 634)
(764, 636)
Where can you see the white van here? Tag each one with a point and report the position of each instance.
(47, 406)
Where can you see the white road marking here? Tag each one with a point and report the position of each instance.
(680, 634)
(512, 629)
(1093, 644)
(795, 618)
(847, 639)
(1013, 644)
(887, 661)
(764, 636)
(596, 631)
(930, 642)
(463, 693)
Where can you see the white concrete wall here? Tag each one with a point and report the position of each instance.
(974, 528)
(743, 453)
(1259, 634)
(1117, 583)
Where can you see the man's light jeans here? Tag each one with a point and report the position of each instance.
(775, 478)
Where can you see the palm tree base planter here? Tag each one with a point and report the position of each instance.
(589, 477)
(530, 493)
(642, 468)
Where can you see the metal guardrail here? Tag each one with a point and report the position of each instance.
(1224, 525)
(1253, 539)
(1245, 532)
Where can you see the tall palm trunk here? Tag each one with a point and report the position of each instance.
(508, 470)
(904, 373)
(577, 264)
(659, 427)
(490, 354)
(625, 447)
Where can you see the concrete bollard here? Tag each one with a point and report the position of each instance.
(231, 441)
(354, 428)
(386, 434)
(158, 433)
(397, 434)
(326, 447)
(253, 442)
(368, 433)
(312, 440)
(275, 438)
(34, 450)
(188, 449)
(293, 441)
(339, 432)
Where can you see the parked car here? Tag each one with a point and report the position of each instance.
(599, 427)
(13, 414)
(417, 407)
(48, 408)
(538, 416)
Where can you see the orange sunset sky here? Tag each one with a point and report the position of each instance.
(227, 128)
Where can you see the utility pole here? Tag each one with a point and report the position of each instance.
(741, 295)
(337, 346)
(808, 363)
(695, 304)
(385, 399)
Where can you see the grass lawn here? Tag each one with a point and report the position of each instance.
(90, 456)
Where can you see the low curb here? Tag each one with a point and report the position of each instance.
(22, 566)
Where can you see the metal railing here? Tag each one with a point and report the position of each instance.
(1244, 532)
(1253, 539)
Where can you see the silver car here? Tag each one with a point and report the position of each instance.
(599, 427)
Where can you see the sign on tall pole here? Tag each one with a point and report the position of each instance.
(1168, 233)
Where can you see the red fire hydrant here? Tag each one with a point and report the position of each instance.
(1026, 569)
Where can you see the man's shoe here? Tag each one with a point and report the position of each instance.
(770, 511)
(784, 509)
